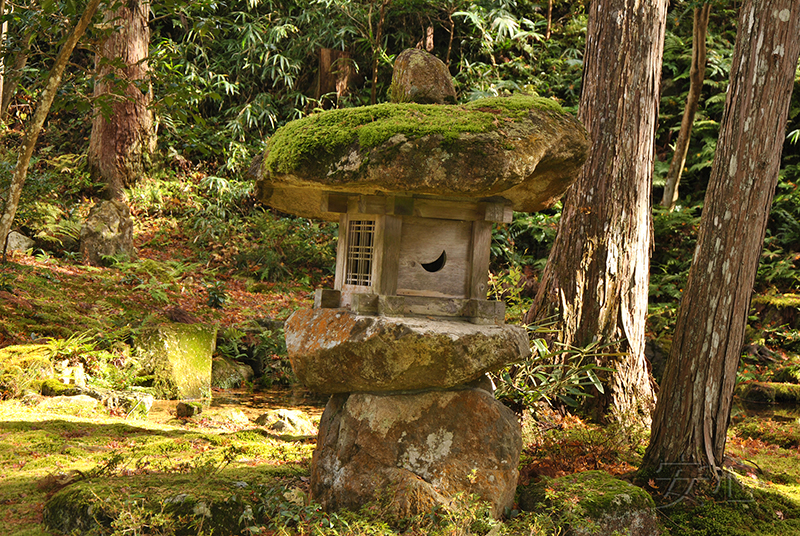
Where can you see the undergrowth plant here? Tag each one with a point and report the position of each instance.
(550, 376)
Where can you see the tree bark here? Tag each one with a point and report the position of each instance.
(13, 75)
(597, 273)
(3, 30)
(693, 412)
(336, 74)
(49, 93)
(123, 137)
(697, 74)
(376, 47)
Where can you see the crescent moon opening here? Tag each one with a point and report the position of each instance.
(436, 265)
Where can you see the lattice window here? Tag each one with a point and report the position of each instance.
(360, 252)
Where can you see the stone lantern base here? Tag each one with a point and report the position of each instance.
(408, 421)
(416, 451)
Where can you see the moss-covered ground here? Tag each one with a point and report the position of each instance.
(163, 475)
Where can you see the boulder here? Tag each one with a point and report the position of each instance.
(422, 78)
(525, 150)
(185, 410)
(108, 231)
(22, 367)
(69, 403)
(180, 357)
(227, 373)
(19, 242)
(287, 422)
(769, 392)
(416, 450)
(336, 351)
(594, 503)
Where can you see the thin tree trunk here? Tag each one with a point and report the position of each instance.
(12, 77)
(697, 74)
(693, 411)
(123, 138)
(597, 273)
(549, 19)
(49, 93)
(3, 31)
(376, 49)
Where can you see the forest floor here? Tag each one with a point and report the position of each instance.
(52, 300)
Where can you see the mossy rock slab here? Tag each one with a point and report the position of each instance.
(227, 373)
(769, 392)
(186, 506)
(180, 357)
(22, 367)
(525, 150)
(336, 351)
(593, 503)
(789, 374)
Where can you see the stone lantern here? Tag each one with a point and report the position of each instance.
(405, 338)
(414, 255)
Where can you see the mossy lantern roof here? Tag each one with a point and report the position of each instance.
(522, 150)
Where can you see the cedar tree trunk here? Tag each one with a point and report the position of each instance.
(123, 137)
(597, 273)
(697, 74)
(693, 411)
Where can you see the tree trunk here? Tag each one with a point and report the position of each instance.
(697, 74)
(336, 73)
(12, 77)
(3, 31)
(376, 47)
(549, 19)
(596, 276)
(49, 93)
(692, 415)
(123, 137)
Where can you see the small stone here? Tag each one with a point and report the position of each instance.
(188, 409)
(287, 422)
(19, 242)
(422, 78)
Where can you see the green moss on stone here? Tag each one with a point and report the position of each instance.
(779, 301)
(370, 126)
(770, 392)
(53, 387)
(591, 502)
(180, 358)
(790, 374)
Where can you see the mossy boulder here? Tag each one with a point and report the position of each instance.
(790, 374)
(92, 506)
(593, 503)
(227, 373)
(422, 78)
(336, 351)
(23, 367)
(180, 358)
(526, 150)
(108, 231)
(769, 392)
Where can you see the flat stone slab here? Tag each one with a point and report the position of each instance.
(523, 150)
(336, 351)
